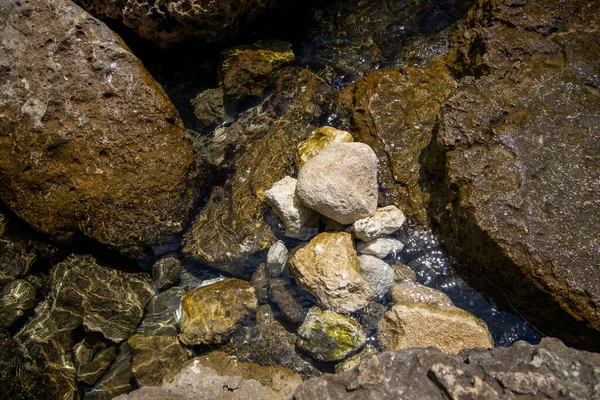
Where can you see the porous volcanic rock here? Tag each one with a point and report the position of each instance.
(168, 22)
(522, 371)
(517, 155)
(328, 268)
(89, 144)
(261, 148)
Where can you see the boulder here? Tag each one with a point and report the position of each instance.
(166, 271)
(16, 258)
(378, 273)
(385, 220)
(300, 222)
(318, 139)
(328, 268)
(170, 22)
(261, 148)
(330, 336)
(451, 329)
(156, 359)
(210, 314)
(90, 143)
(412, 292)
(522, 371)
(517, 156)
(380, 247)
(340, 182)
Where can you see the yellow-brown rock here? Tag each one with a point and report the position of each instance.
(328, 268)
(318, 139)
(212, 313)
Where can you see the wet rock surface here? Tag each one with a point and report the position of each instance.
(16, 297)
(156, 358)
(166, 271)
(520, 154)
(521, 371)
(318, 139)
(380, 247)
(160, 315)
(385, 220)
(93, 368)
(231, 226)
(90, 143)
(412, 292)
(377, 273)
(117, 380)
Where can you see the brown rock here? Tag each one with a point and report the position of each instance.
(156, 359)
(412, 292)
(328, 268)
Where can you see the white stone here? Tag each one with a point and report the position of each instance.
(276, 259)
(380, 247)
(340, 182)
(386, 220)
(300, 222)
(378, 274)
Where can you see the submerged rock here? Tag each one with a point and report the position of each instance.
(318, 139)
(156, 359)
(378, 273)
(161, 314)
(117, 380)
(209, 107)
(385, 220)
(340, 182)
(166, 271)
(419, 325)
(260, 283)
(285, 296)
(330, 336)
(15, 297)
(522, 371)
(277, 257)
(403, 273)
(93, 369)
(16, 258)
(261, 148)
(412, 292)
(91, 144)
(210, 314)
(328, 268)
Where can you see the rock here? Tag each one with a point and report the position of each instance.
(403, 273)
(209, 107)
(96, 367)
(517, 156)
(522, 371)
(380, 247)
(117, 380)
(412, 292)
(276, 259)
(173, 22)
(16, 258)
(166, 271)
(217, 376)
(394, 111)
(340, 182)
(246, 71)
(328, 268)
(330, 336)
(260, 283)
(369, 317)
(91, 144)
(419, 325)
(355, 360)
(15, 298)
(318, 139)
(156, 359)
(269, 343)
(378, 273)
(261, 148)
(285, 296)
(161, 314)
(300, 222)
(386, 220)
(210, 314)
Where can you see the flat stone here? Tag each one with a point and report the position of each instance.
(161, 314)
(380, 247)
(166, 271)
(318, 139)
(385, 220)
(419, 325)
(16, 297)
(330, 336)
(277, 257)
(412, 292)
(378, 273)
(340, 182)
(210, 314)
(300, 222)
(156, 359)
(328, 268)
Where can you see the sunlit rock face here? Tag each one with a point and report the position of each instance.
(90, 144)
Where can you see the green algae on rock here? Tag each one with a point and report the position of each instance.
(318, 139)
(330, 336)
(211, 314)
(261, 149)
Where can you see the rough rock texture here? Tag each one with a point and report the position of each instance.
(403, 273)
(166, 271)
(300, 222)
(318, 139)
(394, 112)
(451, 329)
(412, 292)
(354, 361)
(15, 297)
(117, 380)
(380, 247)
(378, 273)
(156, 358)
(385, 220)
(209, 107)
(160, 315)
(16, 258)
(89, 142)
(330, 336)
(340, 182)
(328, 268)
(517, 148)
(217, 376)
(92, 370)
(287, 299)
(261, 149)
(168, 22)
(246, 71)
(277, 257)
(260, 283)
(522, 371)
(210, 314)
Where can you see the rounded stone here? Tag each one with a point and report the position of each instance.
(378, 273)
